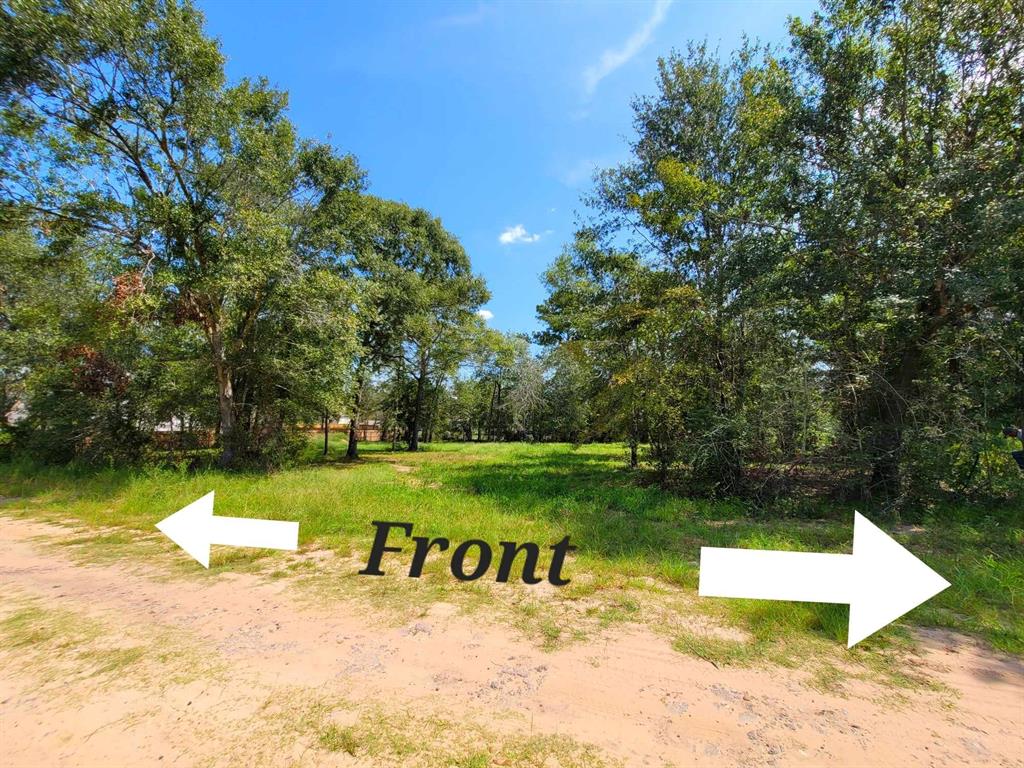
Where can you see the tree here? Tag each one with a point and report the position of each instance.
(524, 400)
(647, 335)
(468, 412)
(436, 338)
(419, 318)
(911, 226)
(120, 127)
(566, 411)
(813, 257)
(703, 203)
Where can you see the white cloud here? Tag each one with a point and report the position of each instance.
(486, 314)
(471, 18)
(613, 58)
(517, 234)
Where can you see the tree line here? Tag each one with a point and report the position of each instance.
(500, 390)
(172, 248)
(806, 277)
(812, 261)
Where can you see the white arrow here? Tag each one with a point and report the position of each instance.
(880, 581)
(194, 529)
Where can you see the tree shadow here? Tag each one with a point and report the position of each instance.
(27, 481)
(596, 499)
(980, 660)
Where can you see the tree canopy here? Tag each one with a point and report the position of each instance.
(220, 249)
(805, 280)
(813, 257)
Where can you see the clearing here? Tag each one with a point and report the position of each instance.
(117, 649)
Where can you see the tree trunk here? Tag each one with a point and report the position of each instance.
(432, 417)
(893, 402)
(889, 412)
(490, 413)
(353, 424)
(353, 438)
(417, 412)
(327, 429)
(225, 399)
(634, 438)
(497, 410)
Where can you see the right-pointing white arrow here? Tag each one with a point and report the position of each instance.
(880, 581)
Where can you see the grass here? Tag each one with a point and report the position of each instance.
(400, 738)
(637, 554)
(381, 734)
(56, 644)
(336, 739)
(30, 626)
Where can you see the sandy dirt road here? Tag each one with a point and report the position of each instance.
(235, 671)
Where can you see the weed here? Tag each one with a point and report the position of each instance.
(335, 739)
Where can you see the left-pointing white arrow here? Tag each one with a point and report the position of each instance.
(194, 528)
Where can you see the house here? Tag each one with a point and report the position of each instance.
(366, 430)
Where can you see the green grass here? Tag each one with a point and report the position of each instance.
(406, 738)
(55, 644)
(638, 546)
(335, 739)
(382, 734)
(30, 626)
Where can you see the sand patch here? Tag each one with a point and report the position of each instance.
(296, 684)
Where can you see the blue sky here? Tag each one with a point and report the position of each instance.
(490, 115)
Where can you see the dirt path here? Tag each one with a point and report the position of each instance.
(238, 673)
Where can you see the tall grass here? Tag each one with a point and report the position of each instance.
(623, 528)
